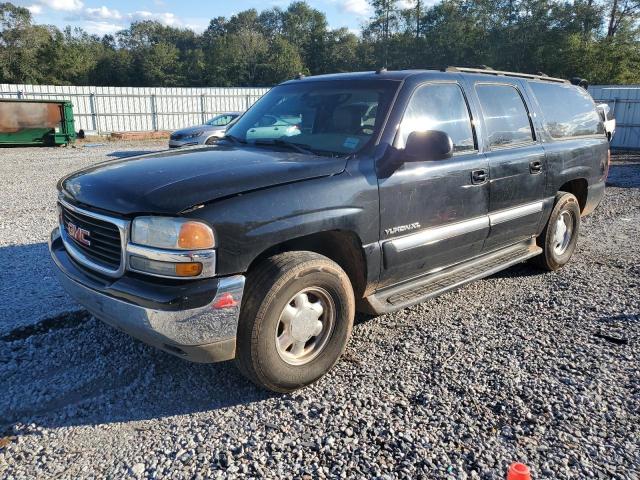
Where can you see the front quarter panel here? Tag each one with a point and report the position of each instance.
(246, 225)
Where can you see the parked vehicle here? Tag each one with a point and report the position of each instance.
(397, 187)
(607, 119)
(206, 134)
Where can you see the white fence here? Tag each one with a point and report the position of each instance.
(624, 101)
(126, 109)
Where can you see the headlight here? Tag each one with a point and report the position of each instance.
(172, 233)
(194, 134)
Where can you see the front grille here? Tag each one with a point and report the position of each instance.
(104, 246)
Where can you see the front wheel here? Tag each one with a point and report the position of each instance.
(559, 238)
(295, 322)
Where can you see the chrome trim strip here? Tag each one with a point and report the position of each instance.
(437, 234)
(81, 258)
(206, 257)
(509, 214)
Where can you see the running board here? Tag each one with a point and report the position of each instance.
(422, 288)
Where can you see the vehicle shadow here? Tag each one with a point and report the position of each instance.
(519, 270)
(59, 366)
(74, 370)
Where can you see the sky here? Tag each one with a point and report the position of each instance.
(108, 16)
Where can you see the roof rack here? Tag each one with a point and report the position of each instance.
(490, 71)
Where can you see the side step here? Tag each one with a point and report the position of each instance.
(422, 288)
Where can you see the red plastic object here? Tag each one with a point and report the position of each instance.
(225, 301)
(518, 471)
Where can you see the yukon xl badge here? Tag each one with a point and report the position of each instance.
(402, 228)
(80, 235)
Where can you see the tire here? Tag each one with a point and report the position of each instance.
(211, 141)
(265, 327)
(555, 254)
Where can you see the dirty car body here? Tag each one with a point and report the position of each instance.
(345, 189)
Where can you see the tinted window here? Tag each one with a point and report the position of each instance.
(567, 111)
(505, 115)
(439, 107)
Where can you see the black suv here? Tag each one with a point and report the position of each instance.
(364, 191)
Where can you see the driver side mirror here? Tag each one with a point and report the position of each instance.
(429, 145)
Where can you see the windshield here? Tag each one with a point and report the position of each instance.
(222, 120)
(337, 118)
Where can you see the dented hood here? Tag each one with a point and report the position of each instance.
(173, 181)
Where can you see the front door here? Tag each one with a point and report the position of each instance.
(434, 212)
(517, 166)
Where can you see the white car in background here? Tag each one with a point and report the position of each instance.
(206, 134)
(607, 118)
(274, 127)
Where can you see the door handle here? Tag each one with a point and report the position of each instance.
(478, 177)
(535, 166)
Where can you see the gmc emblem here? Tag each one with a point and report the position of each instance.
(80, 235)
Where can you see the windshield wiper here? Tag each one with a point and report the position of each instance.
(299, 147)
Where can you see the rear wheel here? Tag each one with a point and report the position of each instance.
(559, 238)
(295, 322)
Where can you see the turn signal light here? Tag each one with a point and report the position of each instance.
(195, 236)
(165, 269)
(192, 269)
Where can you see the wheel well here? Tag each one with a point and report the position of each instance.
(579, 188)
(341, 246)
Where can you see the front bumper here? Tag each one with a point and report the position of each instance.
(195, 320)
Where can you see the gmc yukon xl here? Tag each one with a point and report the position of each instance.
(365, 191)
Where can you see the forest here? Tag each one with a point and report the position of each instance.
(595, 40)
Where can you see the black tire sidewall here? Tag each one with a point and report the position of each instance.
(270, 367)
(566, 203)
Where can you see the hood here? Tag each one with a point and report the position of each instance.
(170, 182)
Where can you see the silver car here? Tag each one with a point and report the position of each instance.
(206, 134)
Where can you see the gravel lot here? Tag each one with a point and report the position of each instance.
(510, 368)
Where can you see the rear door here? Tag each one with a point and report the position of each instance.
(517, 166)
(434, 212)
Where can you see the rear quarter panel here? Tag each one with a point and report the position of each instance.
(568, 159)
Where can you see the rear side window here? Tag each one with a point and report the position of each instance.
(505, 115)
(439, 106)
(568, 111)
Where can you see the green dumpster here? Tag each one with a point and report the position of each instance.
(36, 122)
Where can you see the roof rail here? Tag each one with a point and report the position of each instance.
(490, 71)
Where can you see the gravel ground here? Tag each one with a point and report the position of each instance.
(27, 216)
(514, 367)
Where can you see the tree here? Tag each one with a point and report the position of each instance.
(282, 62)
(622, 11)
(21, 45)
(595, 39)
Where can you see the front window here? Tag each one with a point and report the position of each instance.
(439, 106)
(326, 118)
